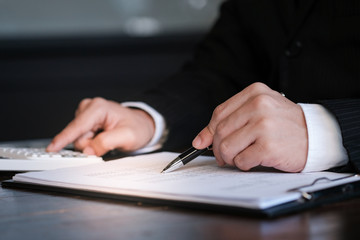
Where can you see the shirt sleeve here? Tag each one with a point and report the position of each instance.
(160, 127)
(325, 148)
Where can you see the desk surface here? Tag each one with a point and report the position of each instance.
(41, 215)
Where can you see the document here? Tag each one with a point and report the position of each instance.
(200, 181)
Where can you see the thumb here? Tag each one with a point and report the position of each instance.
(203, 139)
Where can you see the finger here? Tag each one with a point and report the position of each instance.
(119, 138)
(236, 120)
(83, 141)
(238, 100)
(221, 112)
(89, 150)
(249, 158)
(234, 133)
(227, 148)
(83, 123)
(204, 139)
(59, 142)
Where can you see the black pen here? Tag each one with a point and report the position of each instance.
(184, 158)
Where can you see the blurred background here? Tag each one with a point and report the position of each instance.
(53, 53)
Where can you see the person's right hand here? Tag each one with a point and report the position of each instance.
(101, 125)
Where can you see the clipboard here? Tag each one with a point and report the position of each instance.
(310, 198)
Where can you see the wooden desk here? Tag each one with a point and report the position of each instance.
(41, 215)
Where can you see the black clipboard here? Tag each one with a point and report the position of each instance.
(309, 199)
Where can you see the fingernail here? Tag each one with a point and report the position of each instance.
(220, 163)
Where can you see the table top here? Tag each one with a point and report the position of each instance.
(44, 215)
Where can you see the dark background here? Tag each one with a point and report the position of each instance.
(55, 53)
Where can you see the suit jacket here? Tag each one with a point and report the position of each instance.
(308, 49)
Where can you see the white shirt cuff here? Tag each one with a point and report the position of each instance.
(325, 148)
(160, 127)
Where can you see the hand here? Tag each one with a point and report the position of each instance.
(101, 125)
(257, 126)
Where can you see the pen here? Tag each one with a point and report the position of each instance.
(184, 158)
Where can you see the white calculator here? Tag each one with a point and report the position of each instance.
(35, 159)
(41, 153)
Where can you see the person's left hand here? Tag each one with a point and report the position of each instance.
(257, 126)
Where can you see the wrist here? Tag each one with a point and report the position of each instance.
(148, 122)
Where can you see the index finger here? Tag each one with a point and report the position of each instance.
(82, 124)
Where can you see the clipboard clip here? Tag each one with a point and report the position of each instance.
(309, 195)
